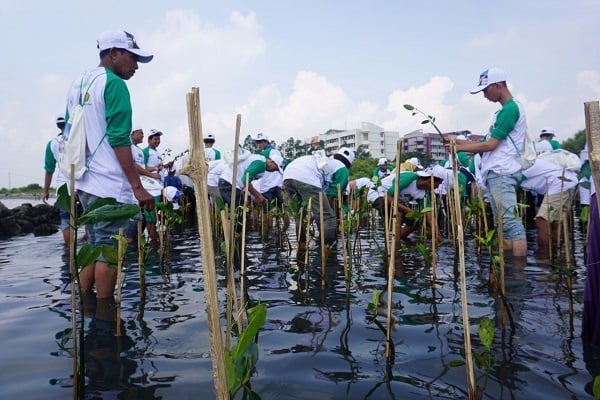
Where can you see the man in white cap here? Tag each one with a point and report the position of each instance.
(271, 182)
(150, 181)
(103, 93)
(546, 142)
(382, 169)
(413, 191)
(50, 160)
(500, 168)
(210, 153)
(307, 176)
(413, 164)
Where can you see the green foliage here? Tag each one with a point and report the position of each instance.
(361, 153)
(362, 168)
(576, 143)
(241, 359)
(109, 213)
(596, 387)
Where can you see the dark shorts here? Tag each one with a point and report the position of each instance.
(275, 198)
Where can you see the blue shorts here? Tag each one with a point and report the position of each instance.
(101, 232)
(504, 189)
(65, 219)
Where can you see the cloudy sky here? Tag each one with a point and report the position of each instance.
(298, 68)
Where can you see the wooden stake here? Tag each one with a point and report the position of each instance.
(322, 237)
(463, 275)
(119, 282)
(196, 169)
(74, 282)
(392, 256)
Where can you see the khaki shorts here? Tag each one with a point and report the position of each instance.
(550, 207)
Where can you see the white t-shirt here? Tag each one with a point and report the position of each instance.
(304, 169)
(504, 158)
(545, 177)
(105, 177)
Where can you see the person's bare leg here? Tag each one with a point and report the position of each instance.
(543, 234)
(106, 279)
(519, 248)
(86, 278)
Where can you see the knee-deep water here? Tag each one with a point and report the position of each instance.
(318, 342)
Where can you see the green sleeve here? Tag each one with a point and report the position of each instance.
(49, 161)
(462, 184)
(555, 144)
(146, 153)
(406, 178)
(506, 120)
(118, 111)
(255, 168)
(339, 178)
(376, 172)
(265, 152)
(217, 154)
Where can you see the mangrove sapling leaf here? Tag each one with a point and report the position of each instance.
(63, 200)
(409, 107)
(109, 213)
(596, 387)
(86, 255)
(110, 254)
(486, 332)
(242, 357)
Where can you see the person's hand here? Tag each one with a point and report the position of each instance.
(155, 175)
(45, 196)
(261, 199)
(145, 199)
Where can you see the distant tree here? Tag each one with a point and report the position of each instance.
(576, 143)
(33, 186)
(362, 153)
(250, 145)
(292, 149)
(362, 168)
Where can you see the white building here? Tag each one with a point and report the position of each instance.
(377, 141)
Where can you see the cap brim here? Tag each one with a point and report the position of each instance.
(478, 89)
(142, 56)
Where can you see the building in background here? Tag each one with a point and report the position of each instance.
(374, 139)
(381, 143)
(430, 144)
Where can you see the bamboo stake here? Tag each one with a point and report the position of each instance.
(500, 280)
(322, 237)
(392, 257)
(119, 282)
(240, 315)
(74, 282)
(196, 169)
(592, 127)
(463, 278)
(308, 217)
(342, 218)
(141, 265)
(434, 228)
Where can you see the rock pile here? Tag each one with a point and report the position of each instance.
(41, 220)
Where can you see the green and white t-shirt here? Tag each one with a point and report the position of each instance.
(509, 120)
(108, 114)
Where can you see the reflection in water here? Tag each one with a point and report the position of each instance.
(108, 369)
(318, 341)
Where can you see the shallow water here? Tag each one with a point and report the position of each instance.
(319, 342)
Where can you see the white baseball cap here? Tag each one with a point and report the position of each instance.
(209, 136)
(122, 40)
(382, 161)
(261, 136)
(415, 161)
(276, 157)
(488, 77)
(548, 130)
